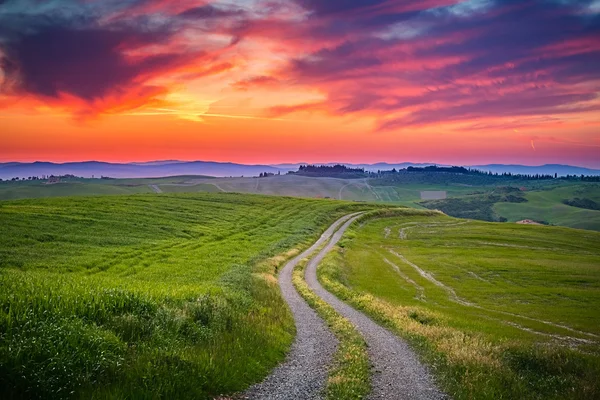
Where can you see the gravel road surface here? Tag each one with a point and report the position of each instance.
(398, 374)
(304, 372)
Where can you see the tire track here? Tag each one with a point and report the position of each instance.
(304, 372)
(398, 372)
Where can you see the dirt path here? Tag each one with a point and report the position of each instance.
(218, 187)
(398, 372)
(452, 296)
(303, 374)
(451, 293)
(369, 187)
(420, 290)
(155, 188)
(342, 189)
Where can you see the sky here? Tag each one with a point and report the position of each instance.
(269, 81)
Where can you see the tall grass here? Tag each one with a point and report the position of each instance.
(170, 296)
(501, 348)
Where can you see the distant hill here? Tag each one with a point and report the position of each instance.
(146, 170)
(547, 169)
(367, 167)
(163, 168)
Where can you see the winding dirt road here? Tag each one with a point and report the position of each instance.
(304, 372)
(398, 372)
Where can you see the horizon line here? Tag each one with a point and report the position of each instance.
(275, 165)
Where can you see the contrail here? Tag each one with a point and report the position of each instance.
(532, 146)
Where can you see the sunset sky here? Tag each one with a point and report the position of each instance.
(269, 81)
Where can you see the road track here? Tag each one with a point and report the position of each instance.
(398, 374)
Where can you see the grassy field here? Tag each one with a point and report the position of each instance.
(147, 296)
(297, 186)
(547, 205)
(543, 199)
(497, 310)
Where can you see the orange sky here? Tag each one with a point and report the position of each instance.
(273, 82)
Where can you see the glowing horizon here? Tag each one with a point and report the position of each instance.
(280, 81)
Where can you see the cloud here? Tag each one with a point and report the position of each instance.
(462, 61)
(256, 81)
(95, 51)
(398, 63)
(209, 12)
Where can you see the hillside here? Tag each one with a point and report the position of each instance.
(141, 296)
(546, 201)
(167, 168)
(497, 310)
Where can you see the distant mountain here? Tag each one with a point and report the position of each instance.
(163, 162)
(153, 169)
(97, 169)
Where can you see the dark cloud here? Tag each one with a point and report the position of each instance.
(337, 6)
(83, 63)
(70, 49)
(428, 60)
(342, 59)
(499, 51)
(208, 11)
(523, 105)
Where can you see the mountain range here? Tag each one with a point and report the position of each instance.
(152, 169)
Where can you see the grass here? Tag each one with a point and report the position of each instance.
(147, 296)
(547, 205)
(545, 200)
(477, 206)
(298, 186)
(10, 190)
(71, 187)
(499, 310)
(349, 376)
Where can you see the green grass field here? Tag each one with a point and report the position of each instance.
(147, 296)
(497, 310)
(10, 190)
(285, 185)
(547, 205)
(544, 198)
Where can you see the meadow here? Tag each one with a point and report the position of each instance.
(496, 310)
(284, 185)
(547, 205)
(147, 296)
(551, 202)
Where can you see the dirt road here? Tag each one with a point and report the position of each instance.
(398, 374)
(302, 375)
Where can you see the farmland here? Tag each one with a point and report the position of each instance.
(551, 202)
(144, 296)
(497, 310)
(548, 205)
(285, 185)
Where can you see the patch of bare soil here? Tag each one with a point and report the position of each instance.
(528, 222)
